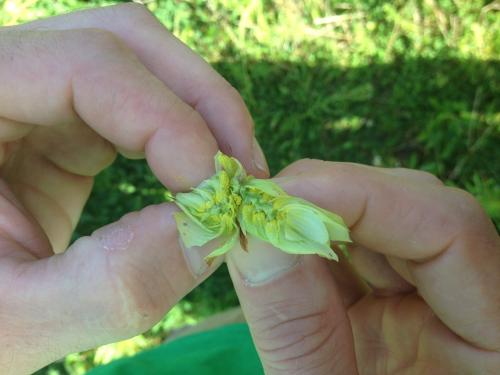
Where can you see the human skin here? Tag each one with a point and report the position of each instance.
(75, 90)
(430, 257)
(78, 88)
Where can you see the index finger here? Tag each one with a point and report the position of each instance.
(182, 70)
(450, 246)
(66, 79)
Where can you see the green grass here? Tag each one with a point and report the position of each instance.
(390, 83)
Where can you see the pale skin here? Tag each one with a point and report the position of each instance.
(79, 88)
(431, 257)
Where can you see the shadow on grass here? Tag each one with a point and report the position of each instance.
(421, 113)
(438, 115)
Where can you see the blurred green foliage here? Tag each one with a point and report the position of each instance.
(411, 83)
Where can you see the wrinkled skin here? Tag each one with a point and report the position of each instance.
(78, 88)
(431, 259)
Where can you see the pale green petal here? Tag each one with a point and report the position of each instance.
(201, 193)
(338, 232)
(255, 228)
(228, 245)
(328, 254)
(244, 217)
(328, 214)
(330, 217)
(219, 161)
(345, 251)
(213, 210)
(231, 165)
(308, 224)
(290, 234)
(273, 231)
(191, 233)
(189, 200)
(306, 247)
(253, 225)
(187, 211)
(266, 186)
(194, 199)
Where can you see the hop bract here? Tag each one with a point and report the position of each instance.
(289, 223)
(210, 210)
(231, 201)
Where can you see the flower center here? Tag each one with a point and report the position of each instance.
(259, 207)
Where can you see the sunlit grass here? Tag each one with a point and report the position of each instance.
(391, 83)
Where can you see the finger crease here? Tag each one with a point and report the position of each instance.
(361, 215)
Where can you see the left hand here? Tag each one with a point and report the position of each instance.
(75, 90)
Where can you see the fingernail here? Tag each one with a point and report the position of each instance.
(262, 262)
(195, 257)
(259, 160)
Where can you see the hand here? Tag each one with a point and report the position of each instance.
(430, 256)
(74, 90)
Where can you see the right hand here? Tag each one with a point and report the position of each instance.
(431, 257)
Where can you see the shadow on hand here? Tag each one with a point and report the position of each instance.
(440, 115)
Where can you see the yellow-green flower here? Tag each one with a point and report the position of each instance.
(289, 223)
(210, 210)
(230, 203)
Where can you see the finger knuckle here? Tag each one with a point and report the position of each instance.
(187, 126)
(99, 41)
(180, 122)
(305, 164)
(333, 174)
(468, 211)
(429, 177)
(236, 102)
(133, 10)
(133, 296)
(423, 176)
(295, 345)
(136, 307)
(157, 111)
(193, 117)
(232, 93)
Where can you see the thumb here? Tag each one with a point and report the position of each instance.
(111, 285)
(294, 310)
